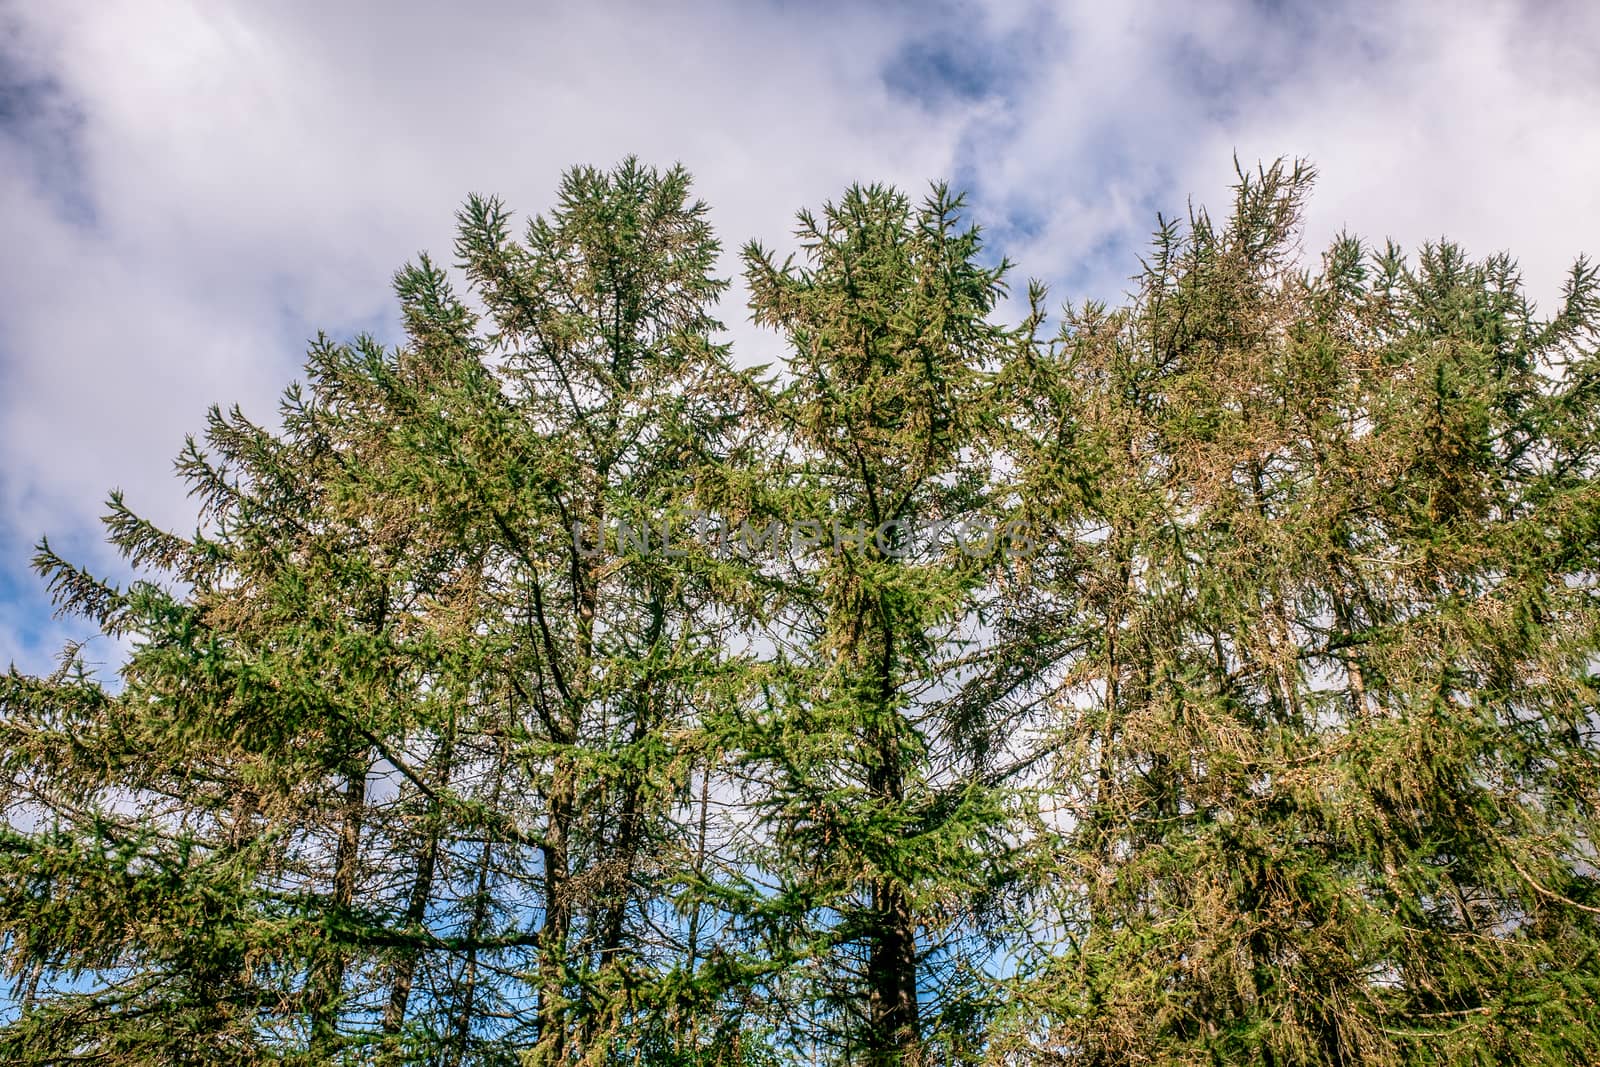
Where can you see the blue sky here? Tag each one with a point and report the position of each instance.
(188, 191)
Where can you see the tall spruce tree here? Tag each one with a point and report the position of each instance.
(398, 762)
(886, 829)
(609, 624)
(1326, 569)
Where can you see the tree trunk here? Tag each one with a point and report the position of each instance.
(405, 970)
(554, 931)
(327, 982)
(893, 1037)
(461, 1033)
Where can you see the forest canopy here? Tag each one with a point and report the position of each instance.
(1206, 678)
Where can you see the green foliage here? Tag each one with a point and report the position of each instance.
(1331, 761)
(886, 841)
(464, 730)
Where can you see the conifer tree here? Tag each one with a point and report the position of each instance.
(1326, 750)
(617, 404)
(887, 832)
(397, 733)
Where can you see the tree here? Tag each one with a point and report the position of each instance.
(398, 727)
(610, 637)
(1329, 595)
(888, 834)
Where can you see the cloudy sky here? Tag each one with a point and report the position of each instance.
(188, 191)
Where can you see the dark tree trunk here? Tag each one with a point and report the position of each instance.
(327, 981)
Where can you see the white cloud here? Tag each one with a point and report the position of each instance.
(1474, 121)
(239, 175)
(1480, 127)
(254, 174)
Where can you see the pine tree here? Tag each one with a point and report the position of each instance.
(1327, 750)
(397, 734)
(610, 622)
(887, 832)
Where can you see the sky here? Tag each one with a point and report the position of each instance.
(191, 191)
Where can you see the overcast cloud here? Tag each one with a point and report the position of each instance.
(188, 191)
